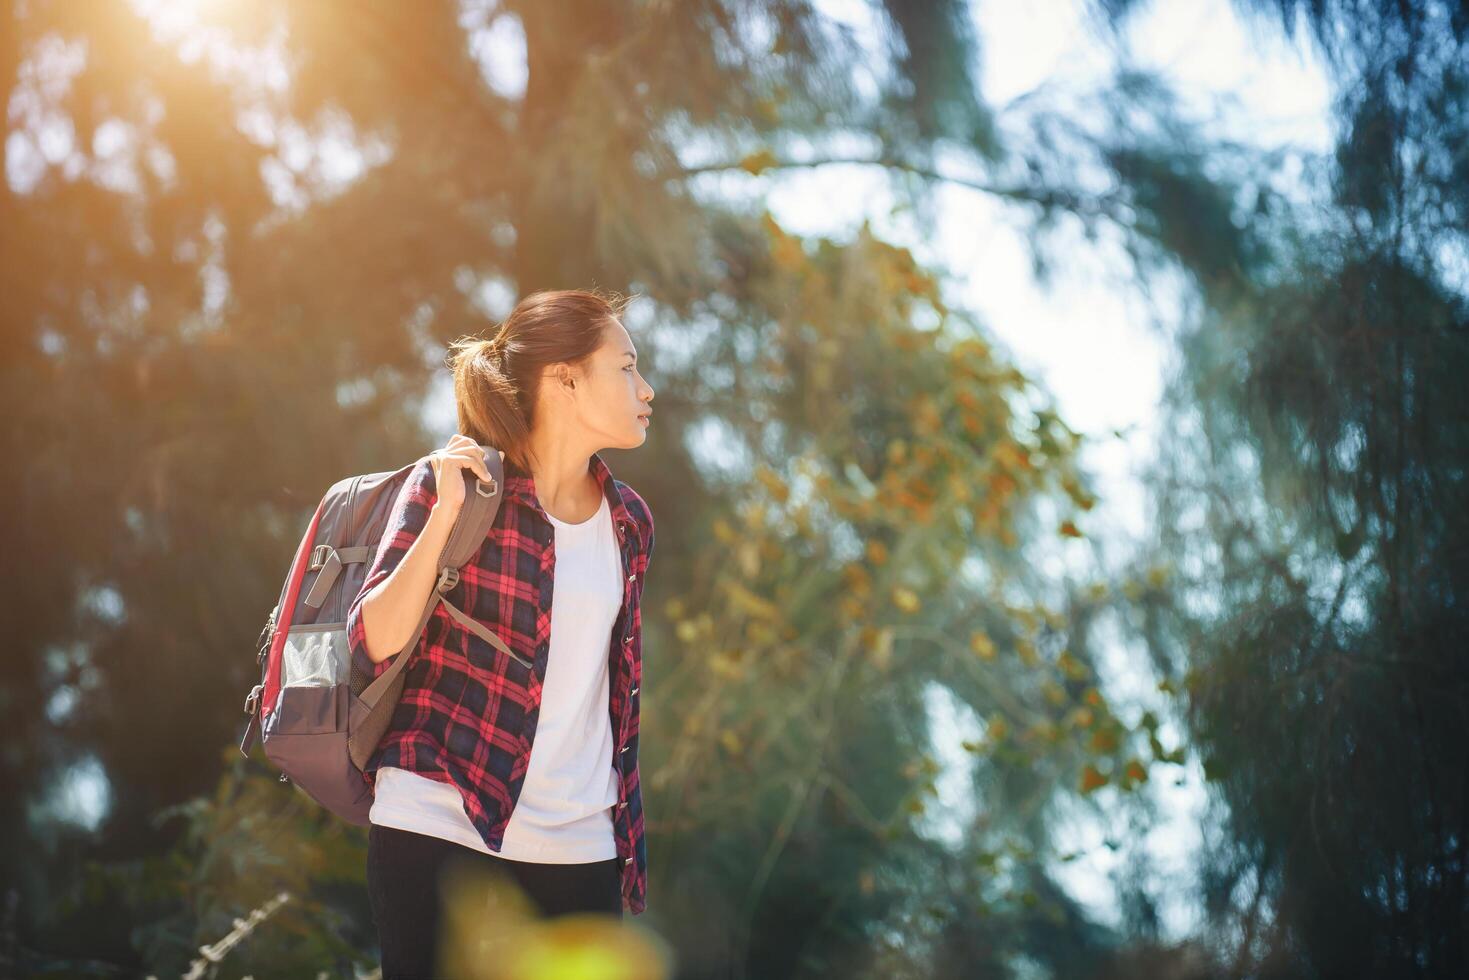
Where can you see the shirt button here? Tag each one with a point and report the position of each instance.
(622, 804)
(633, 691)
(632, 576)
(628, 861)
(624, 748)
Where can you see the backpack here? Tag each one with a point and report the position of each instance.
(319, 712)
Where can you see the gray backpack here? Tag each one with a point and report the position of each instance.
(319, 714)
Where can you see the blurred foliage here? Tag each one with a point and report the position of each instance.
(1312, 501)
(491, 933)
(206, 324)
(235, 851)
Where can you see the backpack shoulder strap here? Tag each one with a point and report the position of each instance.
(481, 504)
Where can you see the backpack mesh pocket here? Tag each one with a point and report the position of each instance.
(316, 656)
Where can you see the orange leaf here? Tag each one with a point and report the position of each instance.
(1092, 778)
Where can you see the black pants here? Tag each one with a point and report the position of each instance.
(407, 875)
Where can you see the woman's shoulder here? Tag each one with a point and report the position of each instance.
(637, 508)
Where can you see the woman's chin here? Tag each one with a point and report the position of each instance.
(633, 441)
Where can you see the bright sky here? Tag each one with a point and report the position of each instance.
(1086, 337)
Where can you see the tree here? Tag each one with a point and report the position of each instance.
(1313, 501)
(204, 329)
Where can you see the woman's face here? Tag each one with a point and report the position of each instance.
(611, 397)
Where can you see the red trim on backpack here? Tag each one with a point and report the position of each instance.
(287, 611)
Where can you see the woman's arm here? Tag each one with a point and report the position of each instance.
(388, 607)
(392, 609)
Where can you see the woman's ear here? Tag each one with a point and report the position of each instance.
(561, 376)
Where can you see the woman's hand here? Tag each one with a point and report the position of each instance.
(459, 453)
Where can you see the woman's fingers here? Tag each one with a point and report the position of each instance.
(474, 459)
(466, 452)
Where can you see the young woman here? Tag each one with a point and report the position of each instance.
(523, 766)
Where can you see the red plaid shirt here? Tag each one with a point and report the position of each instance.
(468, 712)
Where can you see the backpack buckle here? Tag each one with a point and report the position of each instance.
(253, 698)
(262, 641)
(319, 556)
(448, 578)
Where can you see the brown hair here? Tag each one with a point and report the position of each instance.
(496, 380)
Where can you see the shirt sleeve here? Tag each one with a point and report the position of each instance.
(407, 520)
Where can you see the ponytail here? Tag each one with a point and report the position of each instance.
(487, 398)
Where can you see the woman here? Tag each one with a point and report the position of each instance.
(521, 765)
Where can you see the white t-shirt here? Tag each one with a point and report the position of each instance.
(563, 815)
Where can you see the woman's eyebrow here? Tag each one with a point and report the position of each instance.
(628, 353)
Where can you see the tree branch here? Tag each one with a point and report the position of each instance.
(1103, 206)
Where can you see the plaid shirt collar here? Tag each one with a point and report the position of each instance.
(521, 485)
